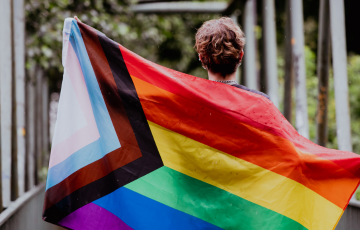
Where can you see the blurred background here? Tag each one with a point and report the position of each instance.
(298, 52)
(168, 39)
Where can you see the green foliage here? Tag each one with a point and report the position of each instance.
(354, 99)
(354, 103)
(312, 90)
(165, 39)
(311, 85)
(312, 94)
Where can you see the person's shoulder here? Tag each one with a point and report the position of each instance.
(251, 90)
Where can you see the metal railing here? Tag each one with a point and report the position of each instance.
(24, 98)
(23, 126)
(331, 16)
(351, 217)
(25, 212)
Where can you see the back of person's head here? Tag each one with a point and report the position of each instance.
(220, 43)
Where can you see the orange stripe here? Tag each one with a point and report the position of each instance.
(241, 140)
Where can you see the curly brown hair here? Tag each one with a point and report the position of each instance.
(220, 43)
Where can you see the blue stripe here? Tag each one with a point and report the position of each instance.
(108, 140)
(140, 212)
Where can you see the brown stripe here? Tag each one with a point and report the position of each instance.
(89, 174)
(129, 150)
(109, 90)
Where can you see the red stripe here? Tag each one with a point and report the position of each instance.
(244, 106)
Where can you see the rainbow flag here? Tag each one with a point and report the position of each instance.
(141, 146)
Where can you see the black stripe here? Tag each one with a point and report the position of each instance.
(129, 96)
(98, 189)
(150, 159)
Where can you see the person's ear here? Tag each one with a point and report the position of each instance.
(200, 59)
(241, 55)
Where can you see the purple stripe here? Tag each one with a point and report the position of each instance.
(93, 217)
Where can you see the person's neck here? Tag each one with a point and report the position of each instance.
(219, 77)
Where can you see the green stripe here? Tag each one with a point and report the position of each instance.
(208, 202)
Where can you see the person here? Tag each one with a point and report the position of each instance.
(220, 43)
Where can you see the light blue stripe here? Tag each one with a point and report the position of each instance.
(108, 140)
(143, 213)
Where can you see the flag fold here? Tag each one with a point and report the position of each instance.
(140, 146)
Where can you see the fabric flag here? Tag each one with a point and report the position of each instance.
(141, 146)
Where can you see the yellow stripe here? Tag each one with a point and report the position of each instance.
(244, 179)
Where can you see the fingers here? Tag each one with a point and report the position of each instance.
(77, 19)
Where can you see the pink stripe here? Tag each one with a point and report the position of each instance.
(89, 133)
(93, 217)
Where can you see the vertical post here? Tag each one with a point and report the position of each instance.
(6, 75)
(289, 67)
(30, 125)
(19, 48)
(1, 198)
(250, 75)
(234, 17)
(38, 124)
(14, 189)
(337, 23)
(26, 160)
(297, 41)
(19, 45)
(270, 53)
(45, 123)
(323, 72)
